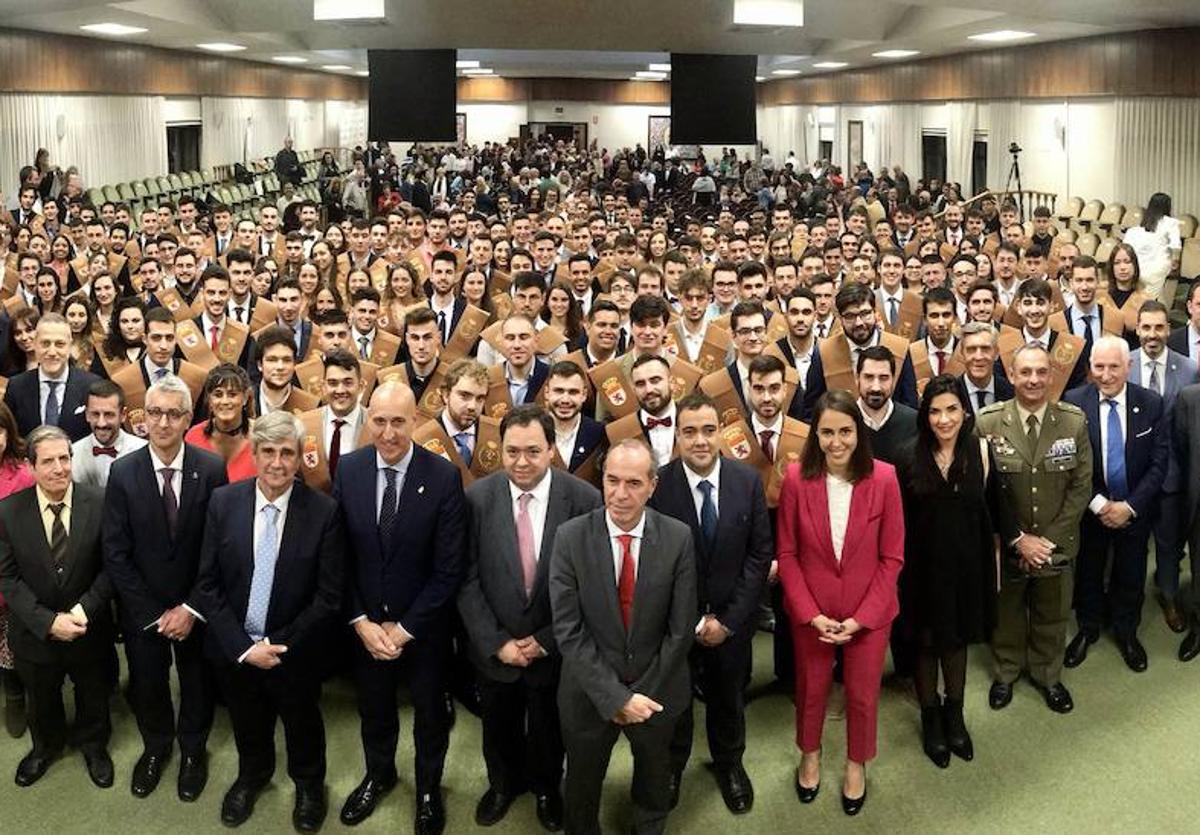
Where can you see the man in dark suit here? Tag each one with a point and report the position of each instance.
(1186, 339)
(623, 596)
(404, 515)
(152, 556)
(799, 347)
(289, 301)
(1130, 444)
(266, 628)
(892, 425)
(1185, 437)
(54, 393)
(52, 577)
(724, 504)
(512, 519)
(577, 436)
(981, 382)
(523, 371)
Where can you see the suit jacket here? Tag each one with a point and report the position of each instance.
(1002, 390)
(307, 590)
(1180, 371)
(150, 570)
(1177, 341)
(492, 599)
(795, 409)
(413, 579)
(1185, 437)
(591, 435)
(814, 374)
(863, 584)
(537, 378)
(33, 591)
(1146, 445)
(603, 663)
(730, 576)
(905, 391)
(23, 397)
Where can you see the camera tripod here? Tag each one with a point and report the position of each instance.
(1014, 175)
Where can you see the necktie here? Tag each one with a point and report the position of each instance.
(110, 451)
(266, 552)
(212, 342)
(1114, 447)
(1155, 382)
(525, 542)
(708, 515)
(652, 422)
(441, 319)
(58, 539)
(1087, 330)
(169, 500)
(628, 579)
(821, 330)
(768, 447)
(462, 440)
(1032, 433)
(52, 407)
(335, 446)
(363, 353)
(159, 373)
(893, 310)
(941, 361)
(237, 313)
(981, 398)
(387, 513)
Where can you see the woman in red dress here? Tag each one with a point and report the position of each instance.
(228, 393)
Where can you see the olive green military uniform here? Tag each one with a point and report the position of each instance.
(1042, 490)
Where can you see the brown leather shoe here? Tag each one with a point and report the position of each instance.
(1174, 618)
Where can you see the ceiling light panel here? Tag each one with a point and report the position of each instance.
(117, 29)
(768, 12)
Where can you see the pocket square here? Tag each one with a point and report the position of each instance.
(80, 410)
(1144, 433)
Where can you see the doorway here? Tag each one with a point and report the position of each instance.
(183, 148)
(933, 156)
(566, 131)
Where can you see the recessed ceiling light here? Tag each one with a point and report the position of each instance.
(478, 71)
(896, 53)
(466, 65)
(348, 9)
(659, 67)
(768, 12)
(363, 73)
(220, 46)
(647, 75)
(113, 29)
(290, 59)
(785, 72)
(1001, 35)
(335, 66)
(830, 65)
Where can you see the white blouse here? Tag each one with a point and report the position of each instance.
(839, 492)
(1154, 248)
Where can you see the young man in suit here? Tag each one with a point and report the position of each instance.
(152, 555)
(576, 435)
(397, 497)
(369, 342)
(54, 393)
(52, 577)
(266, 629)
(724, 504)
(1130, 444)
(523, 371)
(512, 517)
(93, 456)
(623, 596)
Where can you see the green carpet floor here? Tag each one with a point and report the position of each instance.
(1124, 761)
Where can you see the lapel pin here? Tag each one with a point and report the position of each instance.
(421, 489)
(582, 449)
(1136, 409)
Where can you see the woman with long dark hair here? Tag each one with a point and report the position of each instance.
(1158, 245)
(19, 353)
(125, 341)
(227, 395)
(562, 311)
(950, 574)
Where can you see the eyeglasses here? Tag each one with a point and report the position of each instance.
(744, 332)
(859, 315)
(155, 414)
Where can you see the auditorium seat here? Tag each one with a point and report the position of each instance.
(1187, 226)
(1110, 217)
(1087, 243)
(1105, 249)
(1132, 217)
(1189, 266)
(1089, 215)
(1066, 236)
(1071, 211)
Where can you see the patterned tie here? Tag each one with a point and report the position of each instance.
(708, 515)
(1114, 446)
(58, 540)
(1155, 382)
(387, 513)
(363, 353)
(266, 552)
(628, 579)
(768, 447)
(525, 542)
(169, 500)
(335, 446)
(52, 405)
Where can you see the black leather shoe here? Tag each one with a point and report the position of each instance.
(431, 815)
(146, 773)
(99, 768)
(673, 786)
(550, 811)
(853, 805)
(1134, 653)
(957, 738)
(363, 800)
(999, 695)
(238, 805)
(933, 736)
(1176, 622)
(1057, 697)
(807, 794)
(1190, 647)
(31, 768)
(311, 808)
(492, 807)
(193, 777)
(736, 788)
(1077, 650)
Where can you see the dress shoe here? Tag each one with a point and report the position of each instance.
(492, 807)
(311, 808)
(957, 738)
(999, 695)
(550, 811)
(32, 767)
(363, 800)
(807, 794)
(1057, 697)
(933, 736)
(853, 805)
(736, 789)
(238, 805)
(431, 815)
(99, 768)
(146, 773)
(193, 777)
(1077, 650)
(1174, 618)
(1133, 652)
(1190, 647)
(673, 787)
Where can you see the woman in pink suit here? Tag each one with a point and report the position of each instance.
(15, 475)
(840, 535)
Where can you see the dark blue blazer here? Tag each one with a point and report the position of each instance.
(307, 591)
(795, 409)
(1001, 388)
(1177, 341)
(800, 403)
(23, 397)
(537, 379)
(905, 391)
(1147, 444)
(412, 580)
(591, 435)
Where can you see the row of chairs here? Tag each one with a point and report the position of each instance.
(1111, 220)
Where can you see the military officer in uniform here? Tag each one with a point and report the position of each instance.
(1043, 466)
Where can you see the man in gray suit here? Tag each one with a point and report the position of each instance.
(1186, 438)
(623, 596)
(505, 607)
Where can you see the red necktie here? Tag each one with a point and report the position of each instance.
(767, 447)
(941, 360)
(628, 579)
(213, 341)
(335, 446)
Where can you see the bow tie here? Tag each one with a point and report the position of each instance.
(110, 451)
(652, 422)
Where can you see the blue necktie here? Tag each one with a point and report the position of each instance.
(266, 552)
(387, 513)
(1115, 447)
(52, 408)
(463, 441)
(708, 515)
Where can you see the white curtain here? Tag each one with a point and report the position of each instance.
(963, 118)
(898, 134)
(240, 129)
(788, 128)
(1004, 126)
(110, 139)
(1156, 150)
(346, 124)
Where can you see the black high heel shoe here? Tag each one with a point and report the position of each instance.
(957, 738)
(933, 736)
(806, 794)
(853, 805)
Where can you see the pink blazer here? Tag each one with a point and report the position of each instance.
(863, 584)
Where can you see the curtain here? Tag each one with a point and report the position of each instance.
(240, 129)
(1004, 118)
(1156, 150)
(898, 135)
(110, 139)
(963, 117)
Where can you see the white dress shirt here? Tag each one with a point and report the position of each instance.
(564, 442)
(713, 478)
(1148, 364)
(349, 434)
(1099, 500)
(759, 427)
(947, 351)
(537, 509)
(1043, 340)
(662, 438)
(87, 468)
(840, 492)
(635, 547)
(60, 390)
(886, 298)
(990, 389)
(357, 337)
(871, 422)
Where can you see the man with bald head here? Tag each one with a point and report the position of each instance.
(403, 511)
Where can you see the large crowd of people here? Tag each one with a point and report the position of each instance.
(553, 433)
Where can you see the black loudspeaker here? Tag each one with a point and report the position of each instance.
(412, 95)
(713, 99)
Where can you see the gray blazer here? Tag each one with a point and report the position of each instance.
(603, 665)
(492, 599)
(1180, 372)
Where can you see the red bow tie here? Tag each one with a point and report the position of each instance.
(110, 451)
(652, 422)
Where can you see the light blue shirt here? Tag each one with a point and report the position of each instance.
(1080, 326)
(44, 390)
